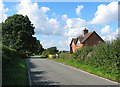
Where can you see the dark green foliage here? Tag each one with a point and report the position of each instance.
(83, 52)
(66, 56)
(52, 50)
(13, 67)
(106, 56)
(15, 26)
(8, 54)
(44, 54)
(17, 32)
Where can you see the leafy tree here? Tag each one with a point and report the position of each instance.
(52, 50)
(36, 46)
(17, 31)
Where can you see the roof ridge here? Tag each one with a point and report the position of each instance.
(87, 36)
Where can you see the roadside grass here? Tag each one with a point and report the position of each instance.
(88, 68)
(43, 56)
(14, 72)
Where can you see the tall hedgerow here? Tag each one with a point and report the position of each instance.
(66, 56)
(82, 53)
(106, 56)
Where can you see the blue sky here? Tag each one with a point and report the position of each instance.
(56, 23)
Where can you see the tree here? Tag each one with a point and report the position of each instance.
(52, 50)
(17, 33)
(36, 46)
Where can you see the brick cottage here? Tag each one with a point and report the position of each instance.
(89, 39)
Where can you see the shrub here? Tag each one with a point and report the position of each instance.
(66, 56)
(8, 53)
(82, 53)
(44, 54)
(106, 56)
(52, 50)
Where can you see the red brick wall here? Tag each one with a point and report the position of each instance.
(78, 46)
(75, 47)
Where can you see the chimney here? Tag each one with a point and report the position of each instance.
(85, 31)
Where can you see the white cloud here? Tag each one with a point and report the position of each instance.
(106, 30)
(78, 9)
(64, 17)
(112, 36)
(3, 15)
(43, 25)
(62, 45)
(106, 13)
(49, 44)
(45, 9)
(74, 27)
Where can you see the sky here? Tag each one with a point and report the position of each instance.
(56, 23)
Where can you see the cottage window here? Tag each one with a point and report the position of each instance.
(73, 44)
(78, 43)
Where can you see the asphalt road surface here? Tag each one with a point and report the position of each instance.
(48, 72)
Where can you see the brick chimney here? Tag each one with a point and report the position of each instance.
(85, 31)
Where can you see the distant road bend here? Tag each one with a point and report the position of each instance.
(48, 72)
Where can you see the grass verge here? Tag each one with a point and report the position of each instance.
(14, 72)
(88, 68)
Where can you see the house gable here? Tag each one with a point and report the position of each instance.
(90, 39)
(78, 44)
(93, 39)
(74, 40)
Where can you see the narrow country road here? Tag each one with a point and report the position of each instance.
(48, 72)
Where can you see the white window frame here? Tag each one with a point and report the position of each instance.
(73, 44)
(78, 43)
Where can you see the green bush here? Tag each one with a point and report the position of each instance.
(107, 57)
(8, 53)
(52, 50)
(66, 56)
(44, 54)
(82, 53)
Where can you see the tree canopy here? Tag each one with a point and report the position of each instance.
(52, 50)
(17, 33)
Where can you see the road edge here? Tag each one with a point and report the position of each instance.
(28, 73)
(72, 67)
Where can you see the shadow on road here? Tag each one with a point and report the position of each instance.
(38, 77)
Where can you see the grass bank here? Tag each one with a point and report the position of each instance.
(91, 69)
(14, 70)
(15, 73)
